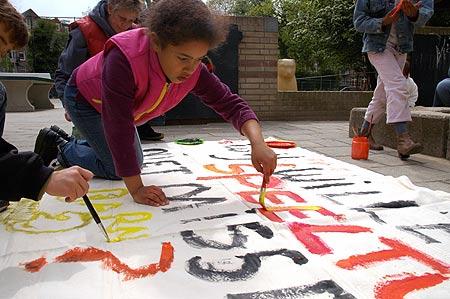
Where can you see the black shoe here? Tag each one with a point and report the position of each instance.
(146, 132)
(47, 143)
(60, 132)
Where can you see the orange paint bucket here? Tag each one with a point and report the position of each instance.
(360, 148)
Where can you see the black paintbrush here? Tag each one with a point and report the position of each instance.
(95, 216)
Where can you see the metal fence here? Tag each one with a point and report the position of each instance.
(347, 81)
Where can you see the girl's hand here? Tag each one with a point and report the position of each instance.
(411, 10)
(150, 195)
(264, 160)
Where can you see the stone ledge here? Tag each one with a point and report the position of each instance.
(314, 105)
(430, 126)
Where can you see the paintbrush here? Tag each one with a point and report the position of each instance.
(262, 194)
(95, 216)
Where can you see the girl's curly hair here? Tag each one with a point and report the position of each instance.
(179, 21)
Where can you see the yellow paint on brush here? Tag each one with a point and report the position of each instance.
(262, 196)
(287, 208)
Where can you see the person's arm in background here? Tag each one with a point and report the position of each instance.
(236, 111)
(24, 175)
(363, 22)
(73, 55)
(418, 12)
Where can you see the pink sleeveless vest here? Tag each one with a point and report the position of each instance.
(154, 96)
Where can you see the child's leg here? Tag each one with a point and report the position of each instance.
(375, 110)
(2, 108)
(377, 105)
(95, 155)
(389, 65)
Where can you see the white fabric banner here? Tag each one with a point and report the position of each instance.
(328, 230)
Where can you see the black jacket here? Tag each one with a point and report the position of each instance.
(21, 174)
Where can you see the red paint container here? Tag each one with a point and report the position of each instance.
(360, 148)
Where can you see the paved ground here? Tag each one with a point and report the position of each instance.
(326, 137)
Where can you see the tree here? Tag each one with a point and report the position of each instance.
(6, 64)
(243, 7)
(45, 46)
(319, 34)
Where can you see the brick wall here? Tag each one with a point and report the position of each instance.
(318, 105)
(258, 56)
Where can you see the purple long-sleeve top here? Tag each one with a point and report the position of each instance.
(118, 93)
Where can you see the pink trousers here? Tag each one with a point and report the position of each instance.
(390, 95)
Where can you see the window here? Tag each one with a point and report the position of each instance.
(21, 55)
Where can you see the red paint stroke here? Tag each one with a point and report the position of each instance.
(326, 212)
(234, 168)
(274, 196)
(238, 173)
(270, 215)
(305, 234)
(109, 261)
(237, 168)
(299, 214)
(398, 289)
(243, 180)
(398, 251)
(36, 265)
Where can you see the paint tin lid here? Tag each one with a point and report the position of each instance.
(281, 144)
(189, 141)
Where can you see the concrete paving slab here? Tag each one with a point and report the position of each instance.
(326, 137)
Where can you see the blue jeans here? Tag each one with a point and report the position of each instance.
(442, 94)
(2, 108)
(95, 154)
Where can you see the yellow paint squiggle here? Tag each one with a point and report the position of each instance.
(128, 232)
(24, 215)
